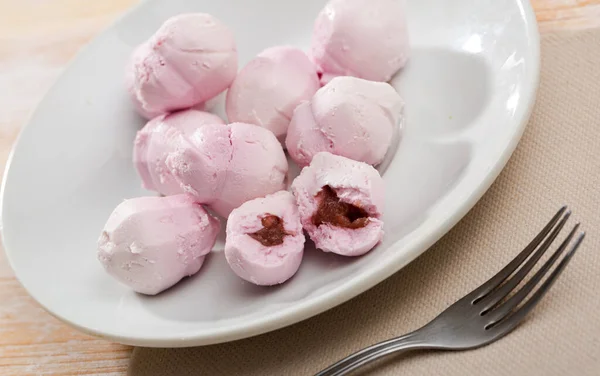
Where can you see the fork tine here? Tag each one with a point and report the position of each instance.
(497, 314)
(513, 320)
(496, 296)
(496, 280)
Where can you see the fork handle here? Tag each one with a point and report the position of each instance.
(407, 342)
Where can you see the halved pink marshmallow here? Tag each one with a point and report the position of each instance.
(360, 38)
(237, 162)
(340, 203)
(189, 60)
(162, 136)
(151, 243)
(350, 117)
(265, 242)
(267, 90)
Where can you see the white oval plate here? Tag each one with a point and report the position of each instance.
(469, 89)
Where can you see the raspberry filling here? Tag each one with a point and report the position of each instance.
(272, 233)
(340, 214)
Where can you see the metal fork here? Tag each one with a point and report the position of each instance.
(485, 314)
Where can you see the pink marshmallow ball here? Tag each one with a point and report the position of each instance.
(349, 116)
(189, 60)
(360, 38)
(225, 166)
(268, 89)
(151, 243)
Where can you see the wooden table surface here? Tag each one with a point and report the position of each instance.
(37, 40)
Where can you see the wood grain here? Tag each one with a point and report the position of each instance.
(37, 39)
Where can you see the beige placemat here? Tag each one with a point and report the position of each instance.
(557, 161)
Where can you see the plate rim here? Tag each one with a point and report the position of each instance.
(336, 296)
